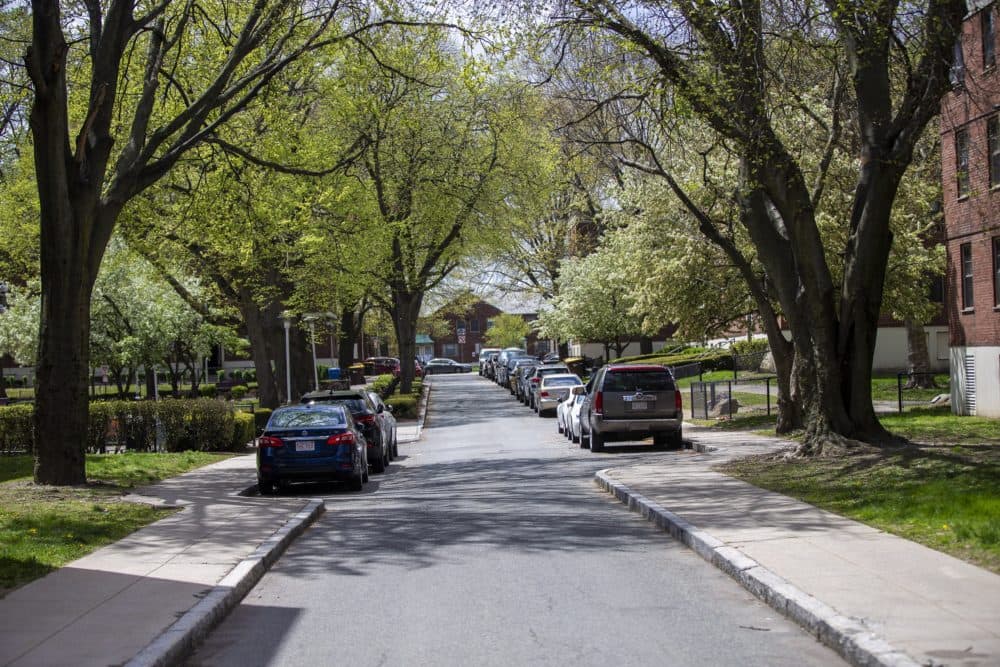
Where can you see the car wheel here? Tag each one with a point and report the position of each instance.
(379, 465)
(395, 447)
(541, 413)
(358, 481)
(265, 487)
(559, 426)
(596, 442)
(579, 439)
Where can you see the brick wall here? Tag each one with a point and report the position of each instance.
(974, 218)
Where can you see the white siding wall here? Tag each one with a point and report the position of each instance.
(986, 360)
(891, 348)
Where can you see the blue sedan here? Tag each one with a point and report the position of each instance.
(306, 443)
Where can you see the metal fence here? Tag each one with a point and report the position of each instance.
(726, 398)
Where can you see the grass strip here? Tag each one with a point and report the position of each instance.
(943, 490)
(42, 528)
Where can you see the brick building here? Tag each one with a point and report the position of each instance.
(970, 154)
(475, 322)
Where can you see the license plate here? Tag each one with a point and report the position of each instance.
(305, 446)
(638, 405)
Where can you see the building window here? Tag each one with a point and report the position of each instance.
(474, 325)
(996, 271)
(989, 33)
(957, 73)
(962, 162)
(966, 254)
(450, 350)
(489, 324)
(460, 326)
(993, 144)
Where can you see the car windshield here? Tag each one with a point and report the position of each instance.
(306, 417)
(551, 371)
(441, 361)
(651, 380)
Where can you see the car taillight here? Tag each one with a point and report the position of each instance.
(341, 439)
(599, 402)
(267, 441)
(544, 394)
(678, 403)
(534, 380)
(365, 419)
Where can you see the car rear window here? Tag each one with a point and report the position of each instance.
(353, 404)
(561, 382)
(650, 380)
(305, 417)
(552, 371)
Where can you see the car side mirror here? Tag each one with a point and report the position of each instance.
(388, 408)
(579, 390)
(380, 408)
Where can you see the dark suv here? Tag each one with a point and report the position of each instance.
(370, 420)
(632, 402)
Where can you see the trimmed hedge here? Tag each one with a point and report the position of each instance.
(244, 430)
(260, 417)
(201, 424)
(403, 406)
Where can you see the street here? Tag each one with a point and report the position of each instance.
(487, 543)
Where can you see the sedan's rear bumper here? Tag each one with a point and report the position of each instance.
(634, 427)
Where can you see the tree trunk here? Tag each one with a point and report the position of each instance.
(256, 320)
(917, 357)
(61, 401)
(350, 325)
(645, 345)
(405, 311)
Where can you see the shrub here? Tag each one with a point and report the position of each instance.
(384, 385)
(17, 429)
(238, 391)
(207, 390)
(260, 417)
(243, 430)
(403, 407)
(755, 346)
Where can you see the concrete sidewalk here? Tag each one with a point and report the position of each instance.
(875, 598)
(145, 599)
(161, 586)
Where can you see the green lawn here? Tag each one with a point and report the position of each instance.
(885, 388)
(43, 528)
(942, 491)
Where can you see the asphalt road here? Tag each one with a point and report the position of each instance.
(487, 543)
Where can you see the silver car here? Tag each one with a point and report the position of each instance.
(554, 389)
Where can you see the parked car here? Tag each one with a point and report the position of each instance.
(484, 358)
(389, 366)
(553, 390)
(437, 366)
(500, 373)
(568, 414)
(632, 402)
(506, 369)
(383, 412)
(372, 424)
(536, 378)
(306, 443)
(523, 367)
(487, 363)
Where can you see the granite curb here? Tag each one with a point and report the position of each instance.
(847, 636)
(174, 643)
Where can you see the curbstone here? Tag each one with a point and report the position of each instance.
(174, 643)
(848, 637)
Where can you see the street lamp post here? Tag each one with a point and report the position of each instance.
(311, 319)
(286, 319)
(4, 291)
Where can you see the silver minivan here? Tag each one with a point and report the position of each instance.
(632, 402)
